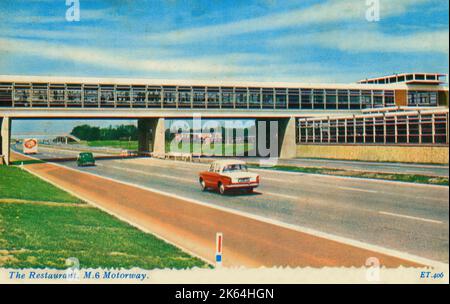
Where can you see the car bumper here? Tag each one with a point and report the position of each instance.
(243, 185)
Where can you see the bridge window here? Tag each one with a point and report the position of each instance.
(254, 98)
(281, 99)
(343, 100)
(227, 98)
(123, 96)
(154, 97)
(319, 99)
(90, 96)
(294, 98)
(268, 98)
(107, 96)
(6, 95)
(74, 95)
(241, 98)
(22, 95)
(213, 95)
(355, 100)
(199, 97)
(39, 95)
(331, 99)
(170, 97)
(184, 97)
(138, 96)
(57, 95)
(306, 102)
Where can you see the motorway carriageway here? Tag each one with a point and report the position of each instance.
(404, 217)
(365, 166)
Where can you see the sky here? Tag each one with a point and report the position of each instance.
(309, 41)
(265, 40)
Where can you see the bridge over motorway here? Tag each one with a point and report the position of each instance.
(153, 101)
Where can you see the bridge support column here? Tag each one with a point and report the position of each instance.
(5, 138)
(286, 138)
(276, 131)
(151, 135)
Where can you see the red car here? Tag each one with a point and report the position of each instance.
(225, 175)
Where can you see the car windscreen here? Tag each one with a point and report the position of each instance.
(234, 168)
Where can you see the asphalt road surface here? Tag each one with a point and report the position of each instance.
(381, 167)
(410, 218)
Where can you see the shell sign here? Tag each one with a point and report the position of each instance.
(30, 146)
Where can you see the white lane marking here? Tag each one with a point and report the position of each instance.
(313, 232)
(152, 164)
(410, 217)
(281, 195)
(152, 174)
(365, 180)
(358, 189)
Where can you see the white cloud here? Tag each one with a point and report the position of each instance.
(242, 66)
(108, 59)
(33, 17)
(328, 12)
(371, 41)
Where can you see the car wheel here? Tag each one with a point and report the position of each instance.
(221, 189)
(249, 190)
(202, 184)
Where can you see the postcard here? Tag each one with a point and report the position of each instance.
(224, 142)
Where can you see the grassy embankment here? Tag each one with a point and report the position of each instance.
(41, 226)
(238, 149)
(412, 178)
(219, 149)
(120, 144)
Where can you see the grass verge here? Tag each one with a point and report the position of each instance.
(43, 226)
(412, 178)
(16, 183)
(121, 144)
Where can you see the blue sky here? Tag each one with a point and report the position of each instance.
(264, 40)
(255, 40)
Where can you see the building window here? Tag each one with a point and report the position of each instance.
(422, 98)
(390, 128)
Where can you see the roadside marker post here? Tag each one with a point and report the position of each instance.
(219, 248)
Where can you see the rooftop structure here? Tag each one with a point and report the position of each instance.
(408, 78)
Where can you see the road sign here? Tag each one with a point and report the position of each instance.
(219, 248)
(30, 146)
